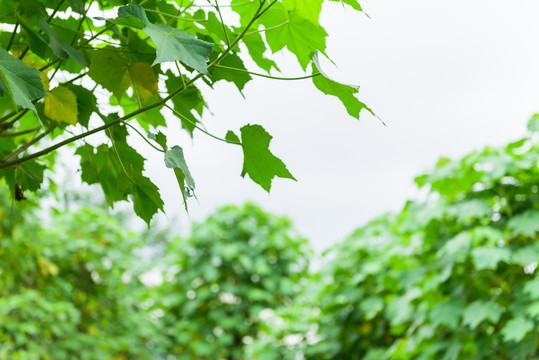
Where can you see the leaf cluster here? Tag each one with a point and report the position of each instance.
(70, 69)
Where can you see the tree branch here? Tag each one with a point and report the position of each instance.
(8, 162)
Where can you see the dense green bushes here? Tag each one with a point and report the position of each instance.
(452, 276)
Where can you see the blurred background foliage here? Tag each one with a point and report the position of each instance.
(452, 276)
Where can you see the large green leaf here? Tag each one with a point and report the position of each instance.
(178, 45)
(489, 257)
(258, 162)
(516, 329)
(480, 311)
(20, 81)
(299, 35)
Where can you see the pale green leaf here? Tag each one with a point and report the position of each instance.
(178, 45)
(480, 311)
(299, 35)
(532, 288)
(516, 329)
(489, 257)
(526, 224)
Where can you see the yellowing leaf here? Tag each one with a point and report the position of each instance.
(61, 105)
(143, 79)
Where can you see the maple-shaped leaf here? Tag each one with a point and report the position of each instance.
(20, 81)
(299, 35)
(479, 311)
(488, 257)
(112, 70)
(178, 45)
(516, 329)
(345, 93)
(526, 224)
(61, 105)
(258, 161)
(307, 9)
(172, 44)
(146, 199)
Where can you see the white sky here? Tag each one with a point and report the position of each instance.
(447, 77)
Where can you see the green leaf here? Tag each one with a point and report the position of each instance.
(29, 175)
(186, 102)
(258, 162)
(86, 103)
(353, 3)
(446, 313)
(257, 47)
(297, 34)
(178, 45)
(480, 311)
(61, 105)
(526, 224)
(174, 159)
(132, 15)
(345, 93)
(307, 9)
(533, 123)
(146, 199)
(489, 257)
(112, 69)
(371, 306)
(37, 43)
(22, 82)
(108, 68)
(151, 117)
(61, 49)
(237, 77)
(526, 255)
(532, 288)
(516, 329)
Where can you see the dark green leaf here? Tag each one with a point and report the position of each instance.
(20, 81)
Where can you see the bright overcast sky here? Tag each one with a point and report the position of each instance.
(447, 77)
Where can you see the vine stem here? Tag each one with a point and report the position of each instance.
(180, 115)
(23, 148)
(8, 162)
(267, 76)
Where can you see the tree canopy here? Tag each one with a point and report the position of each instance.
(148, 58)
